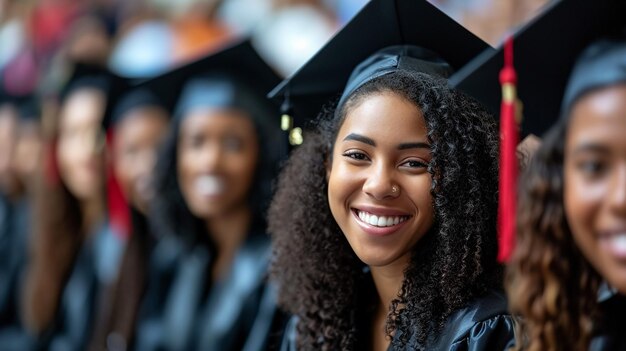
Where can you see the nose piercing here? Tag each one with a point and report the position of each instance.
(394, 189)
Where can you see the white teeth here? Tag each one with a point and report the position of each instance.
(380, 221)
(210, 185)
(619, 243)
(373, 220)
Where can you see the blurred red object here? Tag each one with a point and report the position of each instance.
(50, 22)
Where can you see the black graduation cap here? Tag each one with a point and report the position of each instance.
(27, 105)
(96, 77)
(132, 98)
(30, 108)
(239, 61)
(545, 52)
(381, 23)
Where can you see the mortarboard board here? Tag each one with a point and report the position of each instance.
(132, 98)
(239, 62)
(99, 78)
(30, 108)
(380, 24)
(546, 50)
(235, 77)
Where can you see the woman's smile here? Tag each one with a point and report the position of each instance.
(379, 187)
(380, 221)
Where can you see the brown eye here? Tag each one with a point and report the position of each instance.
(415, 164)
(591, 168)
(355, 155)
(233, 144)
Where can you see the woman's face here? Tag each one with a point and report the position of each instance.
(595, 181)
(80, 143)
(137, 138)
(218, 152)
(378, 184)
(9, 122)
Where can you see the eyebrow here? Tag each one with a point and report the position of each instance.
(403, 146)
(417, 145)
(360, 138)
(590, 147)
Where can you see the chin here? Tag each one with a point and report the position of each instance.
(205, 212)
(618, 280)
(377, 259)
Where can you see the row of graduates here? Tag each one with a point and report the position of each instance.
(382, 222)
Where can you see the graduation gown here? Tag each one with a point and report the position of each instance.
(14, 230)
(610, 330)
(181, 311)
(94, 269)
(483, 325)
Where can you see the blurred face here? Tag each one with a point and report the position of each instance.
(9, 184)
(595, 181)
(27, 150)
(217, 157)
(378, 184)
(80, 143)
(137, 138)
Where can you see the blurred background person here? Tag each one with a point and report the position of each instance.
(137, 127)
(13, 226)
(19, 132)
(207, 288)
(74, 250)
(41, 40)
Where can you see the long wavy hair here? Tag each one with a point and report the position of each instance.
(549, 282)
(320, 278)
(57, 236)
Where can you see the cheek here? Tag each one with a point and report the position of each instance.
(186, 166)
(66, 156)
(124, 173)
(240, 168)
(419, 189)
(582, 201)
(342, 184)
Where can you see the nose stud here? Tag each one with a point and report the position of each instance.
(394, 189)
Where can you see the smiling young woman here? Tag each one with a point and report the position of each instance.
(384, 222)
(207, 286)
(568, 274)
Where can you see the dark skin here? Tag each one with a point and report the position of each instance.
(137, 138)
(80, 151)
(9, 125)
(595, 181)
(217, 158)
(379, 168)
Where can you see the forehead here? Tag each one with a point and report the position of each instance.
(386, 116)
(217, 120)
(601, 111)
(599, 117)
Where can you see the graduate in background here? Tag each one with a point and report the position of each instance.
(19, 123)
(74, 252)
(136, 129)
(207, 285)
(384, 221)
(567, 277)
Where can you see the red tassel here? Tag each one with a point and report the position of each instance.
(119, 211)
(508, 159)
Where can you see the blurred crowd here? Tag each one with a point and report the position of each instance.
(53, 167)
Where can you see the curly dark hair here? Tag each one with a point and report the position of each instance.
(320, 277)
(549, 282)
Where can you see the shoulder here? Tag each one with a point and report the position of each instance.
(485, 324)
(289, 336)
